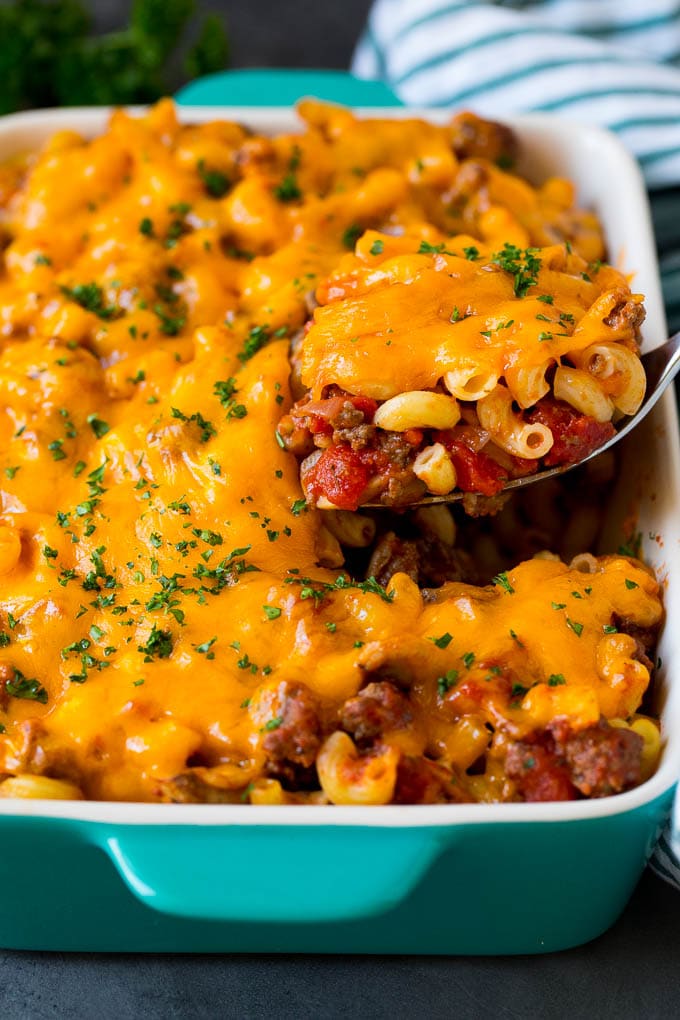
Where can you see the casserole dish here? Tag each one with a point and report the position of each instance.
(441, 879)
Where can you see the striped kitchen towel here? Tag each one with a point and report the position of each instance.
(611, 63)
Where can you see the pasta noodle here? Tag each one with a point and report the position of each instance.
(509, 431)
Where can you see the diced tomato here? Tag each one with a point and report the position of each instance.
(341, 474)
(413, 436)
(317, 415)
(575, 434)
(365, 404)
(475, 472)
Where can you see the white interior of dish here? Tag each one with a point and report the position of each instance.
(608, 181)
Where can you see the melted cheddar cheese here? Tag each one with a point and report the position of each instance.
(162, 579)
(413, 316)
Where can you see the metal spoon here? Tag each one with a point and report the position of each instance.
(661, 366)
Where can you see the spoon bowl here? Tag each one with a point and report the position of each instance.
(661, 366)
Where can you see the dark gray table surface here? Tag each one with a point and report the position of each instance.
(631, 971)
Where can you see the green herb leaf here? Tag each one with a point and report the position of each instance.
(501, 580)
(90, 296)
(288, 190)
(446, 682)
(29, 690)
(98, 425)
(158, 644)
(442, 642)
(556, 680)
(575, 626)
(215, 182)
(522, 264)
(351, 235)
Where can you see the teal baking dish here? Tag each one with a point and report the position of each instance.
(490, 879)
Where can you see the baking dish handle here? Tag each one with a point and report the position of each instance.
(272, 874)
(281, 86)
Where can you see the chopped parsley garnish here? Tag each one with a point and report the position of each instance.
(351, 235)
(442, 642)
(146, 227)
(170, 325)
(21, 687)
(559, 605)
(556, 680)
(273, 724)
(631, 584)
(90, 296)
(446, 682)
(215, 182)
(206, 535)
(225, 390)
(288, 190)
(378, 247)
(522, 264)
(299, 506)
(317, 590)
(471, 253)
(501, 580)
(55, 449)
(516, 639)
(468, 659)
(206, 428)
(158, 645)
(98, 425)
(434, 249)
(206, 648)
(271, 612)
(575, 626)
(609, 628)
(257, 338)
(11, 471)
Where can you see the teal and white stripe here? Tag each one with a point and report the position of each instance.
(611, 63)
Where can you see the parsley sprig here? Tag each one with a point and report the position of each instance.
(522, 264)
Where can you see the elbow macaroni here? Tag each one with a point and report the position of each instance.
(530, 442)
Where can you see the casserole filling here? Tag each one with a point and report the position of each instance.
(178, 619)
(433, 368)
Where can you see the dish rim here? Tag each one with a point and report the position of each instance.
(89, 120)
